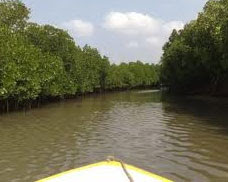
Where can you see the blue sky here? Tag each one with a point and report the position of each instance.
(124, 30)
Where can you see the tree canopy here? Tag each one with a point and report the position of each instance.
(42, 61)
(196, 58)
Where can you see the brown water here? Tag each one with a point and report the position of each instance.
(184, 139)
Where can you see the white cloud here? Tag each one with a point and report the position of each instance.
(125, 36)
(153, 40)
(131, 23)
(149, 33)
(169, 26)
(132, 44)
(79, 28)
(151, 29)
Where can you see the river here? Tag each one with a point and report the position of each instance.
(181, 138)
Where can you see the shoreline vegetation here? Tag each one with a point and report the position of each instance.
(40, 63)
(195, 59)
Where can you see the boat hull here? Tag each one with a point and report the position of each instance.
(107, 171)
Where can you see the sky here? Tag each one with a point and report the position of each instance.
(123, 30)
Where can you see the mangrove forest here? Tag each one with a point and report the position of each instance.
(42, 62)
(195, 59)
(38, 62)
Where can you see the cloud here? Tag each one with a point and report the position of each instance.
(79, 27)
(149, 33)
(153, 40)
(125, 36)
(151, 29)
(169, 26)
(131, 23)
(132, 44)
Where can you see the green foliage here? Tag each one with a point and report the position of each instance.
(91, 69)
(19, 63)
(196, 57)
(52, 76)
(40, 61)
(60, 44)
(133, 74)
(14, 14)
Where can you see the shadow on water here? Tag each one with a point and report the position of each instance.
(197, 130)
(210, 110)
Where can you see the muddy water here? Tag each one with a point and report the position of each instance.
(183, 139)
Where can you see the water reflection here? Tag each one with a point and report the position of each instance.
(198, 135)
(184, 139)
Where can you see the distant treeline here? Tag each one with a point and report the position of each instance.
(42, 61)
(195, 59)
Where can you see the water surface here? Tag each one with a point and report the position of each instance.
(183, 139)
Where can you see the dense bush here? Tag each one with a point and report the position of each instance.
(42, 61)
(195, 59)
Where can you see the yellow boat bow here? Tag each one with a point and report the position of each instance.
(107, 171)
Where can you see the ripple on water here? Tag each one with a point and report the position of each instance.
(169, 138)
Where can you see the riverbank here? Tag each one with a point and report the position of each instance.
(7, 106)
(42, 62)
(195, 59)
(210, 91)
